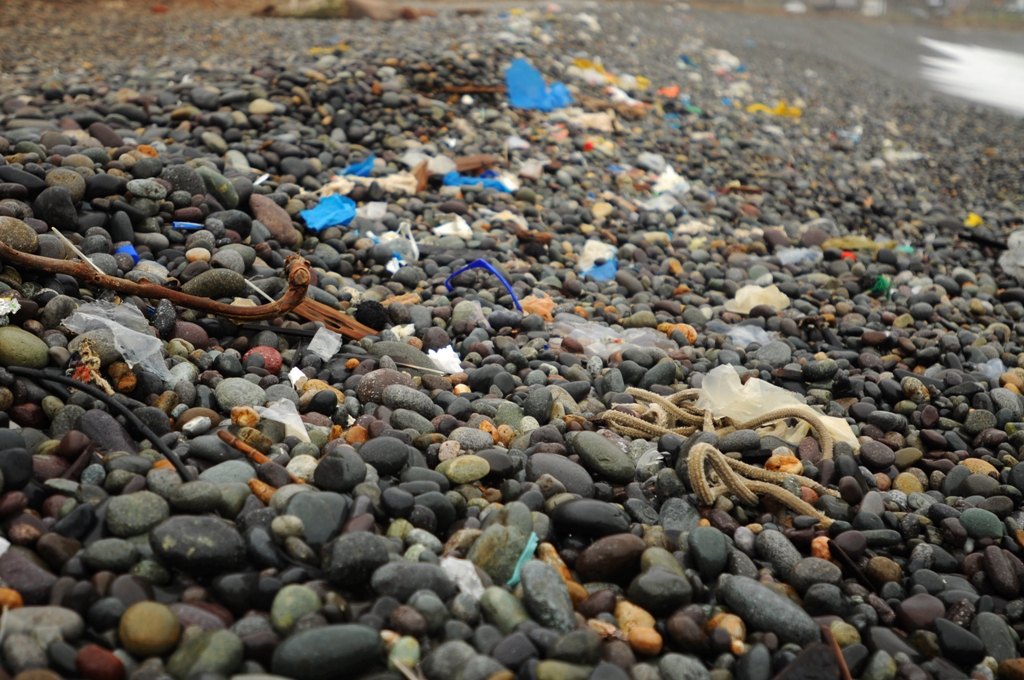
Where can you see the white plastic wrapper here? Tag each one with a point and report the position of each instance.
(457, 227)
(446, 359)
(125, 322)
(670, 182)
(463, 574)
(297, 377)
(749, 297)
(8, 306)
(325, 344)
(284, 411)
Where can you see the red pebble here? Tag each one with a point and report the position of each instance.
(96, 663)
(271, 357)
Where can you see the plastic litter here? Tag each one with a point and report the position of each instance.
(661, 203)
(603, 341)
(186, 226)
(399, 183)
(595, 250)
(741, 336)
(991, 369)
(749, 297)
(619, 96)
(781, 109)
(973, 220)
(726, 396)
(517, 143)
(129, 249)
(374, 210)
(797, 255)
(671, 92)
(670, 182)
(446, 359)
(463, 574)
(8, 306)
(402, 244)
(542, 305)
(362, 169)
(130, 330)
(332, 211)
(527, 89)
(531, 547)
(297, 377)
(284, 411)
(454, 179)
(457, 227)
(325, 344)
(499, 273)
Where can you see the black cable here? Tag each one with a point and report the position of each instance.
(111, 403)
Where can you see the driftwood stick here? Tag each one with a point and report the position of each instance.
(298, 281)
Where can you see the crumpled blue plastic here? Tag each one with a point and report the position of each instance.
(527, 90)
(454, 179)
(604, 272)
(332, 211)
(526, 556)
(360, 169)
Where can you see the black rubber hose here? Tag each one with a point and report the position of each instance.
(113, 405)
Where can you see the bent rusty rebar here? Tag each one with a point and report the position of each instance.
(296, 266)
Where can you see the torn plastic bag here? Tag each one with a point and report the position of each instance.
(517, 143)
(527, 89)
(797, 255)
(662, 203)
(741, 336)
(325, 344)
(362, 169)
(457, 227)
(749, 297)
(331, 212)
(8, 306)
(284, 411)
(454, 179)
(137, 349)
(991, 369)
(603, 341)
(669, 182)
(726, 396)
(373, 210)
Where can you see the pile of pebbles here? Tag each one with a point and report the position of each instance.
(485, 524)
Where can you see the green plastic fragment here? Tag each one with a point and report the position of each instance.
(531, 547)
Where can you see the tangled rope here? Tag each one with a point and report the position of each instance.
(676, 415)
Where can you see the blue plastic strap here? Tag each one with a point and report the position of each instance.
(484, 264)
(185, 226)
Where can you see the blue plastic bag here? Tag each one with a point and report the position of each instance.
(332, 211)
(360, 169)
(454, 179)
(527, 90)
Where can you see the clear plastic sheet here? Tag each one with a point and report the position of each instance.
(128, 326)
(284, 411)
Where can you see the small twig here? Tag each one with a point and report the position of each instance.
(80, 462)
(298, 270)
(253, 454)
(848, 562)
(830, 640)
(474, 89)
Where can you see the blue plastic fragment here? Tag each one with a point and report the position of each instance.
(454, 179)
(484, 264)
(604, 272)
(488, 174)
(185, 226)
(360, 169)
(332, 212)
(527, 89)
(531, 547)
(129, 249)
